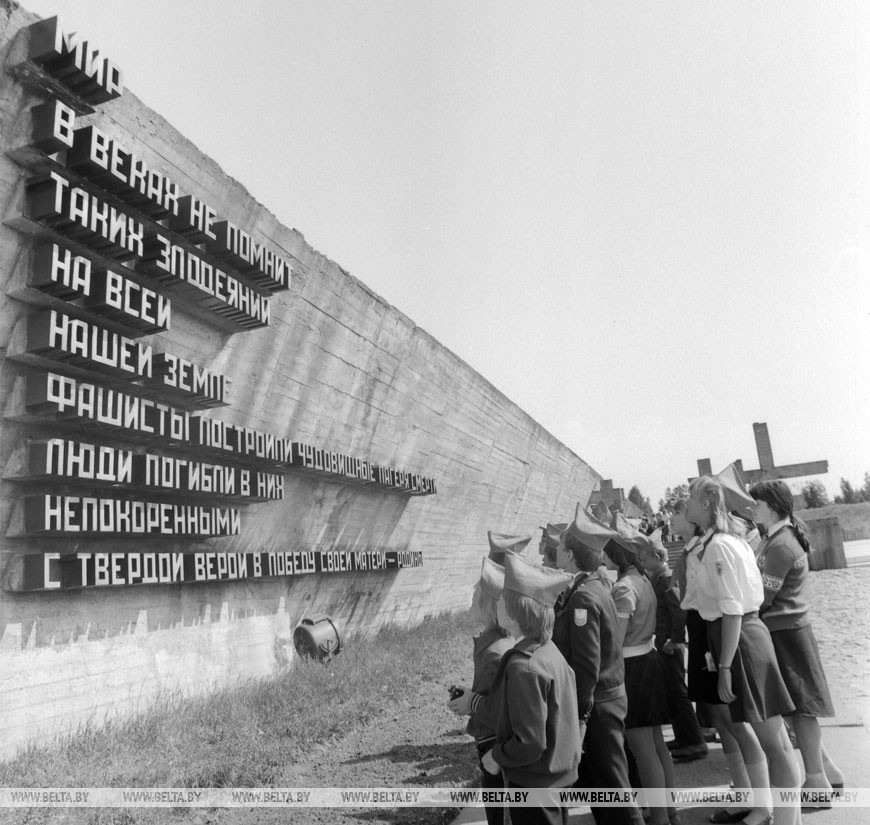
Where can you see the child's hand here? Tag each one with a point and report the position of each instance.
(489, 764)
(461, 705)
(726, 693)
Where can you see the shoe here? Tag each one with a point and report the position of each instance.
(673, 744)
(724, 815)
(818, 798)
(690, 753)
(837, 786)
(709, 734)
(768, 820)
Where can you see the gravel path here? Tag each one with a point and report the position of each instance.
(841, 621)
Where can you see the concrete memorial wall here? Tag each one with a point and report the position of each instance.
(210, 431)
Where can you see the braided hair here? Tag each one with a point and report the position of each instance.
(776, 495)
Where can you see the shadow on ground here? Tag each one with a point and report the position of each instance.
(429, 765)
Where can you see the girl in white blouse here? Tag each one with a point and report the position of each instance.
(724, 585)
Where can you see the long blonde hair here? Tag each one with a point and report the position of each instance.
(710, 490)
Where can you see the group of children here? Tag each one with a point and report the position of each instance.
(581, 663)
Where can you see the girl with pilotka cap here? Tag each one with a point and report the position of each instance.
(703, 683)
(724, 585)
(645, 685)
(533, 703)
(488, 648)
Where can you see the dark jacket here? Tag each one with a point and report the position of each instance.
(670, 617)
(537, 727)
(586, 634)
(489, 647)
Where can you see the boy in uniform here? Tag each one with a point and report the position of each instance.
(533, 703)
(586, 633)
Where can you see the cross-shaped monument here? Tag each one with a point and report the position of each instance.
(767, 468)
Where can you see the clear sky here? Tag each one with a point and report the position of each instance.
(648, 224)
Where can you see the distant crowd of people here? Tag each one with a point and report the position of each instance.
(660, 521)
(584, 655)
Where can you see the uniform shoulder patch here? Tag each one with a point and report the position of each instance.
(581, 614)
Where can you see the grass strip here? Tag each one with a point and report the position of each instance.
(244, 735)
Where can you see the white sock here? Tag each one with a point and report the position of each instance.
(739, 777)
(762, 799)
(817, 780)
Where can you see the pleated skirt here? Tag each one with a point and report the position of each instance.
(797, 654)
(755, 678)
